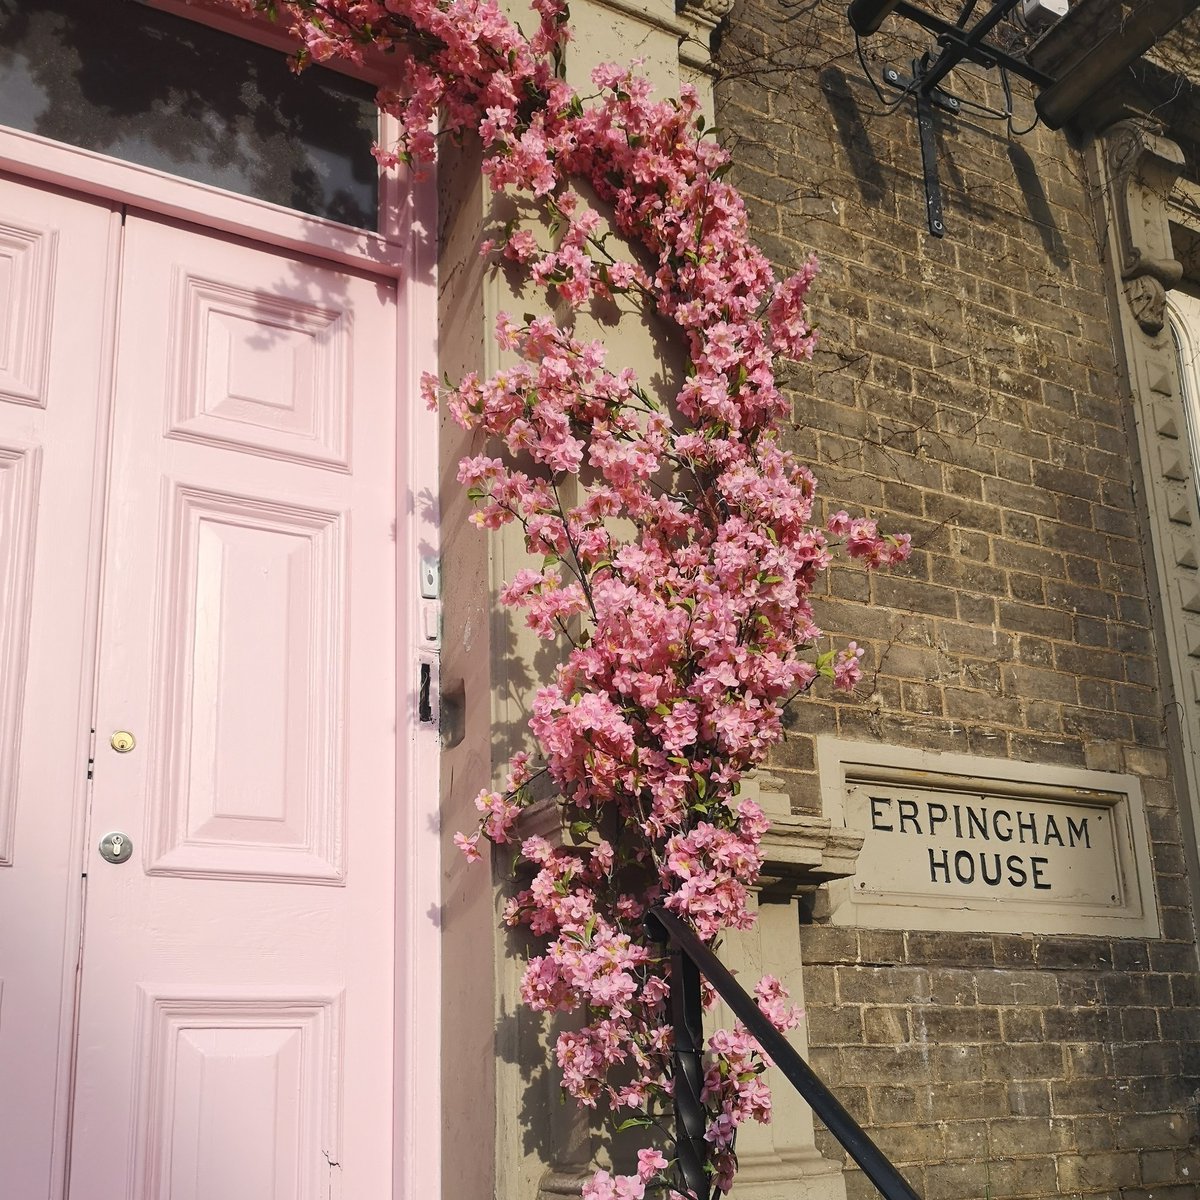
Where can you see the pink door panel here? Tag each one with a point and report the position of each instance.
(57, 295)
(235, 1032)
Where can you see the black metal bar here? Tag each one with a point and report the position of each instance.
(866, 16)
(984, 54)
(965, 12)
(874, 1163)
(687, 1016)
(933, 189)
(939, 98)
(956, 46)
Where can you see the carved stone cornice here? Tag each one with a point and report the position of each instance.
(803, 851)
(701, 17)
(800, 851)
(705, 12)
(1143, 167)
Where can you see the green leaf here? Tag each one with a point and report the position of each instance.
(633, 1123)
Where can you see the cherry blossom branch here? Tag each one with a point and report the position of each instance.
(691, 554)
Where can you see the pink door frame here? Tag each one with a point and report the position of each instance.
(405, 250)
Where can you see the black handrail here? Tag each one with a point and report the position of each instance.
(691, 958)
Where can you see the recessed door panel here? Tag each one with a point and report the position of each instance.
(28, 266)
(266, 373)
(237, 1095)
(20, 471)
(250, 779)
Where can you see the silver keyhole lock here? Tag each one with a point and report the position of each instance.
(115, 848)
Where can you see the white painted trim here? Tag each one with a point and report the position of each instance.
(81, 837)
(1183, 318)
(417, 1151)
(1122, 794)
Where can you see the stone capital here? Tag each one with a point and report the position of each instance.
(1143, 167)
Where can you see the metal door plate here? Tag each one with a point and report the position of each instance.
(115, 847)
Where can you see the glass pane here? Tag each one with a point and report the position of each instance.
(1185, 339)
(155, 89)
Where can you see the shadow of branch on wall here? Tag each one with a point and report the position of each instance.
(1031, 187)
(852, 132)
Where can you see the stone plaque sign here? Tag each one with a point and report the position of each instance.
(970, 843)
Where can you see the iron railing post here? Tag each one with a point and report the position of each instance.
(687, 1017)
(684, 943)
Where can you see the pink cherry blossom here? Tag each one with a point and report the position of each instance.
(673, 554)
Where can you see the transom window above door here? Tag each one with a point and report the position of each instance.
(148, 87)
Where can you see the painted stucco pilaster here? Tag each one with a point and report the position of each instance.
(508, 1133)
(780, 1161)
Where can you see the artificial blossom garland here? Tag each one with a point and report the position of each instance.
(677, 554)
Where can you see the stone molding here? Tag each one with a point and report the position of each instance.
(701, 19)
(1101, 885)
(801, 851)
(1136, 171)
(710, 12)
(1143, 167)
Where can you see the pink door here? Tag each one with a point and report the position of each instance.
(57, 296)
(234, 1024)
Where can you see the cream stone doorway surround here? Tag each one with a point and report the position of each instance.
(189, 992)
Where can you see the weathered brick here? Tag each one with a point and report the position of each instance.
(1157, 1166)
(1149, 1131)
(951, 949)
(953, 1181)
(1029, 1099)
(1026, 1060)
(957, 1063)
(885, 1025)
(837, 1026)
(874, 985)
(880, 947)
(896, 1105)
(1089, 1172)
(826, 944)
(1022, 1024)
(981, 370)
(1074, 1097)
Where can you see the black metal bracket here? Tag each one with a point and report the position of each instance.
(933, 189)
(927, 100)
(957, 43)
